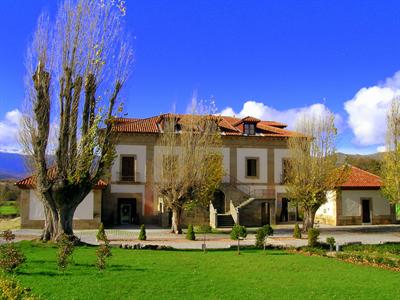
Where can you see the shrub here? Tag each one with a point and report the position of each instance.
(190, 233)
(101, 233)
(10, 257)
(142, 234)
(331, 242)
(297, 231)
(103, 252)
(65, 249)
(261, 234)
(238, 231)
(10, 289)
(104, 249)
(205, 228)
(313, 234)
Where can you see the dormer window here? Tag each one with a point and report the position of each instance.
(249, 128)
(178, 127)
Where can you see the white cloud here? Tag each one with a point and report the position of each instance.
(9, 131)
(368, 108)
(289, 116)
(381, 148)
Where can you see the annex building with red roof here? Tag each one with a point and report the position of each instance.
(357, 200)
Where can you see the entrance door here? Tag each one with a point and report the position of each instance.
(127, 211)
(265, 213)
(285, 210)
(366, 211)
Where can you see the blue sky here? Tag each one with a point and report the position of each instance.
(272, 59)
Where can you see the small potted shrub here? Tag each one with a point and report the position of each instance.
(297, 231)
(11, 258)
(313, 234)
(190, 233)
(331, 242)
(263, 233)
(238, 233)
(142, 234)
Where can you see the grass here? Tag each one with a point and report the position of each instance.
(146, 274)
(386, 250)
(10, 223)
(8, 210)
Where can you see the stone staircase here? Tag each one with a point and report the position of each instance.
(241, 199)
(225, 220)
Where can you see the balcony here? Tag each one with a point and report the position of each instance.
(132, 178)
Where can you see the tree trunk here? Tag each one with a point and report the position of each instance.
(48, 225)
(176, 221)
(308, 222)
(65, 220)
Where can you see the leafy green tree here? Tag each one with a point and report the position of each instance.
(313, 168)
(391, 158)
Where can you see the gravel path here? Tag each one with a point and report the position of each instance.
(282, 237)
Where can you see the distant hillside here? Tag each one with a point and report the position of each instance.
(12, 166)
(370, 162)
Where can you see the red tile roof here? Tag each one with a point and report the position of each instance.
(29, 182)
(228, 125)
(358, 178)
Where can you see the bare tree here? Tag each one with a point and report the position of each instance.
(312, 169)
(76, 66)
(391, 158)
(190, 162)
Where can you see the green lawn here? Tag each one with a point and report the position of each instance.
(9, 208)
(146, 274)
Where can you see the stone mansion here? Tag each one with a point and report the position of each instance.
(252, 192)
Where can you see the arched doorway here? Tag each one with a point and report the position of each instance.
(219, 201)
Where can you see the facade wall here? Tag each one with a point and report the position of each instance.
(258, 153)
(350, 212)
(326, 214)
(87, 215)
(279, 155)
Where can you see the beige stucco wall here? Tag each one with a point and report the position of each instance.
(83, 212)
(87, 215)
(328, 208)
(140, 165)
(261, 154)
(351, 202)
(226, 163)
(279, 155)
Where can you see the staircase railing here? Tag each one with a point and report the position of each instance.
(213, 216)
(249, 191)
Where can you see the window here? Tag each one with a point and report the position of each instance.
(127, 168)
(252, 167)
(249, 128)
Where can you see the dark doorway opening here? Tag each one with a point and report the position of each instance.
(284, 217)
(265, 213)
(219, 201)
(127, 211)
(366, 211)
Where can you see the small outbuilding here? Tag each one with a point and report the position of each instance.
(87, 214)
(357, 201)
